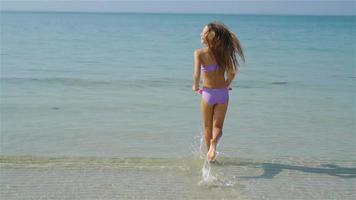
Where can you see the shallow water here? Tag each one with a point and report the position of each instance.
(182, 177)
(176, 178)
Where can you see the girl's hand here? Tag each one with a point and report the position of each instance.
(195, 88)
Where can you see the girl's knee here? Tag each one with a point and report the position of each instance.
(217, 128)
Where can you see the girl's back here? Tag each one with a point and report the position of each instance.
(212, 75)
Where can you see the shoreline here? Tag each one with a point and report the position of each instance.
(37, 177)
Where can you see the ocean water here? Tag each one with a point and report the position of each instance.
(104, 102)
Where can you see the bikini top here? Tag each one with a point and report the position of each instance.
(209, 68)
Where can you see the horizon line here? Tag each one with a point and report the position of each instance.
(175, 13)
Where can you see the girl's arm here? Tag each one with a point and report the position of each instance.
(197, 65)
(230, 78)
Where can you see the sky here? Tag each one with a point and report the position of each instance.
(290, 7)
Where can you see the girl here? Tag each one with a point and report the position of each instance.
(214, 61)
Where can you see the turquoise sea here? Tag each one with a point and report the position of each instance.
(100, 106)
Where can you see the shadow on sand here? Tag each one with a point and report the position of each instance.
(272, 169)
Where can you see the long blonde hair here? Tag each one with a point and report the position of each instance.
(224, 45)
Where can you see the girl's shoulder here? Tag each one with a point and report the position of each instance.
(201, 52)
(204, 50)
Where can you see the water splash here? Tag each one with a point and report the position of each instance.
(197, 148)
(209, 177)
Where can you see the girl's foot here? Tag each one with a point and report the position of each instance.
(212, 151)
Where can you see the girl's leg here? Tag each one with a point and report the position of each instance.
(218, 122)
(207, 115)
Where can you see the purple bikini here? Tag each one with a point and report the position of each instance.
(214, 95)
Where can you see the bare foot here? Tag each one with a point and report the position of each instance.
(212, 151)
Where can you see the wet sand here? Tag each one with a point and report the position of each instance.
(180, 178)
